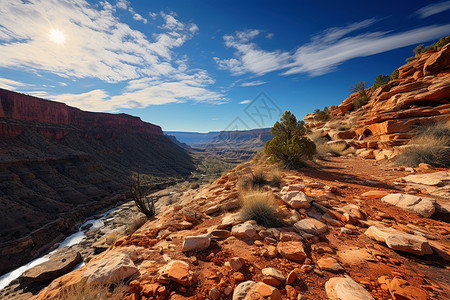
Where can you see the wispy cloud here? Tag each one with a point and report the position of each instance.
(253, 83)
(324, 53)
(432, 9)
(245, 101)
(99, 45)
(10, 84)
(146, 91)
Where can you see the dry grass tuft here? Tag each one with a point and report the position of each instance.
(338, 149)
(431, 145)
(87, 291)
(256, 181)
(276, 178)
(135, 224)
(260, 207)
(112, 237)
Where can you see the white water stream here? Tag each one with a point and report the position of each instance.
(73, 239)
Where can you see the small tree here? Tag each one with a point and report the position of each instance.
(380, 80)
(139, 193)
(289, 145)
(418, 50)
(394, 75)
(362, 99)
(322, 115)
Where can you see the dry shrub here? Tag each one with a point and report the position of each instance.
(260, 207)
(430, 145)
(255, 181)
(276, 178)
(135, 224)
(90, 291)
(260, 157)
(338, 149)
(112, 237)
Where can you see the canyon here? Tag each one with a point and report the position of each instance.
(59, 165)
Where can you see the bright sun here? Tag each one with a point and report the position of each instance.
(57, 36)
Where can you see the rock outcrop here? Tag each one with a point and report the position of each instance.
(419, 96)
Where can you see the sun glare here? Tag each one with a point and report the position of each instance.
(57, 36)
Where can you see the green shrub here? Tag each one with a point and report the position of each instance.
(394, 75)
(442, 42)
(380, 80)
(418, 50)
(431, 145)
(290, 146)
(360, 101)
(260, 207)
(363, 98)
(322, 115)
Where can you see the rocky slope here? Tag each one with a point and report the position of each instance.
(420, 95)
(59, 165)
(345, 239)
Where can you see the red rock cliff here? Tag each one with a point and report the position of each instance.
(45, 113)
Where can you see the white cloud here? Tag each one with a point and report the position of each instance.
(245, 101)
(324, 53)
(126, 5)
(250, 57)
(269, 36)
(147, 91)
(432, 9)
(98, 45)
(253, 83)
(9, 84)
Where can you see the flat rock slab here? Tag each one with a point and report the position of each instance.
(346, 289)
(399, 240)
(436, 178)
(59, 264)
(260, 290)
(296, 199)
(292, 250)
(329, 264)
(197, 242)
(177, 271)
(115, 266)
(400, 289)
(421, 205)
(311, 226)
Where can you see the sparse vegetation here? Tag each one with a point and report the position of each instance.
(394, 75)
(380, 80)
(135, 224)
(90, 291)
(421, 49)
(431, 145)
(322, 115)
(362, 99)
(290, 146)
(195, 185)
(139, 193)
(259, 157)
(338, 149)
(260, 207)
(442, 42)
(255, 181)
(276, 178)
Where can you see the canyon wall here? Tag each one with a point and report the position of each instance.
(60, 165)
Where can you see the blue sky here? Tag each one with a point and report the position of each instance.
(201, 65)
